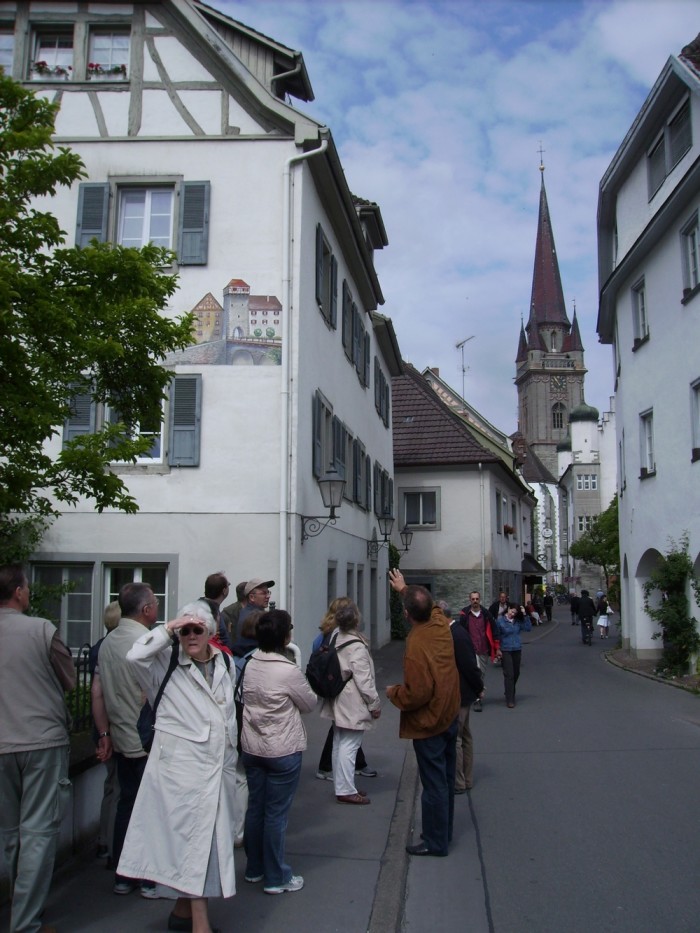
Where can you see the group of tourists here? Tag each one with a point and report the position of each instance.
(585, 611)
(212, 760)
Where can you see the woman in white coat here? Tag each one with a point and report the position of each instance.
(181, 831)
(355, 707)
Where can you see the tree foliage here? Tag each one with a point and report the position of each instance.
(600, 545)
(70, 319)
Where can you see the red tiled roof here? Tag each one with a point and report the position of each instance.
(426, 431)
(264, 303)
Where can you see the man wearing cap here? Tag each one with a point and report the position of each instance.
(256, 596)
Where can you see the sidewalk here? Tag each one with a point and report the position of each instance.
(353, 859)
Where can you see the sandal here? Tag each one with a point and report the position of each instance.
(352, 798)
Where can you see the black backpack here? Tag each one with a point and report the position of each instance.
(323, 670)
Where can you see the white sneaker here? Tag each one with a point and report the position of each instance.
(324, 775)
(295, 883)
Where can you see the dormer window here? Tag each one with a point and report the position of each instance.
(669, 147)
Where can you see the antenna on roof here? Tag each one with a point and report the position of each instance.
(460, 346)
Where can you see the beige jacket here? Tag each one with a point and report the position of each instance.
(352, 708)
(275, 694)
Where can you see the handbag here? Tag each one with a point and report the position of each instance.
(146, 723)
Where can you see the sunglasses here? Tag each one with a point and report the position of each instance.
(191, 629)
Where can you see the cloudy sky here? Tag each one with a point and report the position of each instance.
(438, 110)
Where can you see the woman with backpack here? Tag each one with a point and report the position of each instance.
(355, 707)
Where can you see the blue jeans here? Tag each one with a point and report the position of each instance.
(437, 759)
(272, 783)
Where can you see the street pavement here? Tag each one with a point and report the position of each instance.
(584, 817)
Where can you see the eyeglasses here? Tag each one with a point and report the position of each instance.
(191, 630)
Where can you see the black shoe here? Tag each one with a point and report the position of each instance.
(422, 849)
(181, 924)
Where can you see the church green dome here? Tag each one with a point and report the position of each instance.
(584, 412)
(564, 445)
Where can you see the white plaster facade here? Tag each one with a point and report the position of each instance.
(189, 110)
(650, 314)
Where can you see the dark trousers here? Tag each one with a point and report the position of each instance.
(436, 757)
(129, 771)
(586, 631)
(510, 663)
(326, 761)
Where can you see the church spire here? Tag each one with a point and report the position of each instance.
(573, 340)
(547, 301)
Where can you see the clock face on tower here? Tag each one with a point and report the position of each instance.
(558, 383)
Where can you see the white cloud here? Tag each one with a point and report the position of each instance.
(438, 110)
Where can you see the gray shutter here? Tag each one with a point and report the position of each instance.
(93, 209)
(347, 320)
(338, 446)
(377, 386)
(184, 421)
(193, 241)
(368, 483)
(377, 490)
(391, 497)
(356, 471)
(82, 417)
(319, 266)
(317, 457)
(365, 371)
(334, 292)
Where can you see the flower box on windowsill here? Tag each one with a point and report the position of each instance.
(40, 71)
(508, 530)
(645, 472)
(97, 72)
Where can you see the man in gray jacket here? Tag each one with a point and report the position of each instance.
(35, 670)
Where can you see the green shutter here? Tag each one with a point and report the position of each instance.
(193, 240)
(93, 210)
(185, 420)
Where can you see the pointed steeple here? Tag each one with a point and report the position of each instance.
(547, 301)
(573, 340)
(522, 346)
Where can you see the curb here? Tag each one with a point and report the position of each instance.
(660, 680)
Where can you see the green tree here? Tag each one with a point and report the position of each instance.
(70, 319)
(600, 545)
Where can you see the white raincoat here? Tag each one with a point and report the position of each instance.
(187, 790)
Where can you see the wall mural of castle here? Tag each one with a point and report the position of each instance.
(245, 331)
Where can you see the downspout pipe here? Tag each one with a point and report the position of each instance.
(483, 533)
(285, 576)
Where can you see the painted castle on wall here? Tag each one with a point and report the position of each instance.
(245, 331)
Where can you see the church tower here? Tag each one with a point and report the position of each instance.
(549, 362)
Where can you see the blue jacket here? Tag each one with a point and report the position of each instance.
(510, 632)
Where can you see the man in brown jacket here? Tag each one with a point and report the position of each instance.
(429, 701)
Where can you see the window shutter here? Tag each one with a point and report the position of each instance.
(377, 386)
(377, 490)
(338, 446)
(356, 471)
(356, 336)
(193, 240)
(387, 403)
(368, 482)
(185, 420)
(334, 292)
(319, 266)
(365, 372)
(317, 453)
(347, 320)
(390, 501)
(82, 417)
(93, 209)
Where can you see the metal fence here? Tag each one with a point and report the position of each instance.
(79, 702)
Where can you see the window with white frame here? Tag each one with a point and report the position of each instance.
(167, 212)
(669, 147)
(420, 508)
(695, 419)
(108, 54)
(7, 48)
(691, 254)
(154, 431)
(70, 603)
(52, 55)
(145, 215)
(587, 481)
(639, 312)
(584, 523)
(155, 575)
(646, 438)
(175, 440)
